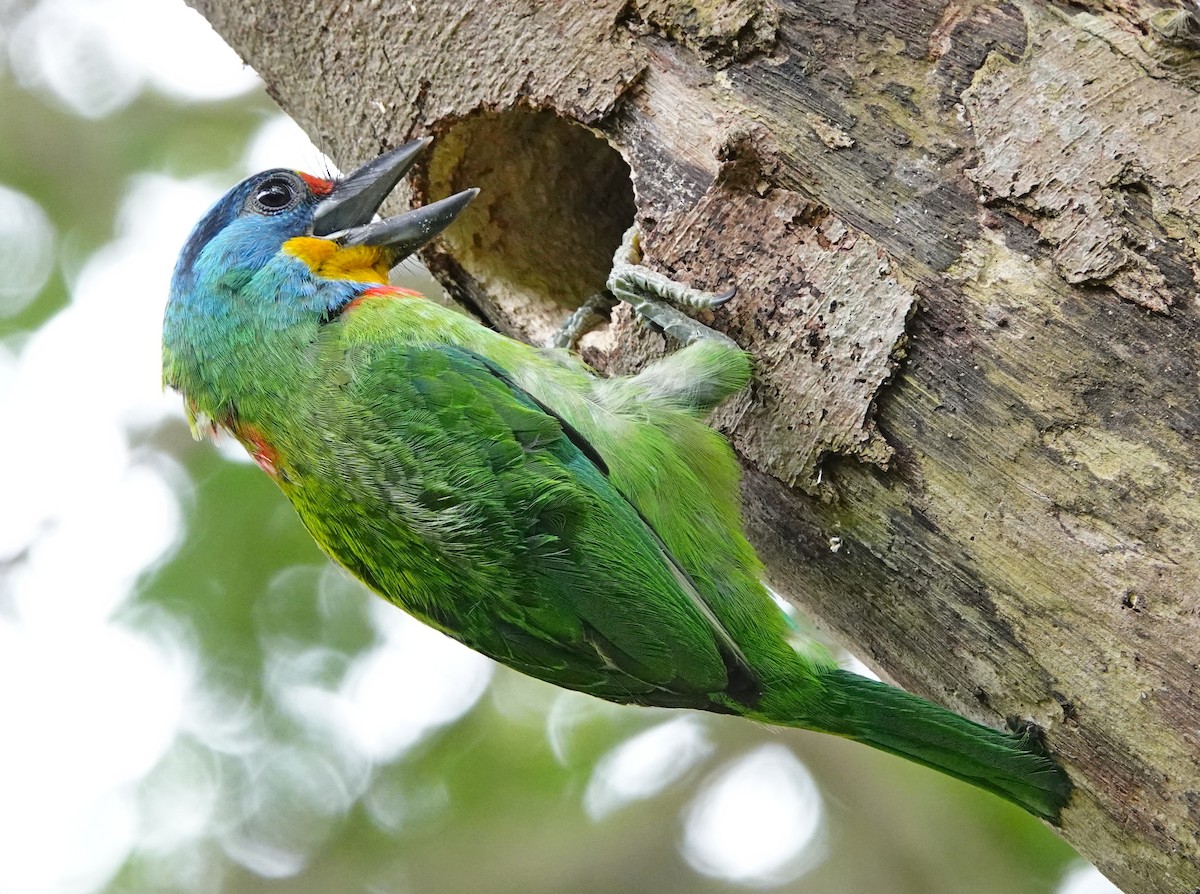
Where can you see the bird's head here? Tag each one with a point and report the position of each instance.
(285, 251)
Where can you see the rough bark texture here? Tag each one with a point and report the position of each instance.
(967, 241)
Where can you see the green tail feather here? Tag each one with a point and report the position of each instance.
(890, 719)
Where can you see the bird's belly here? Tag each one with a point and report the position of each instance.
(383, 546)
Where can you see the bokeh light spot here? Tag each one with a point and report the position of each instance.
(95, 56)
(26, 250)
(757, 821)
(646, 764)
(415, 681)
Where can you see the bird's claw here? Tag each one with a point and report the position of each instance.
(653, 295)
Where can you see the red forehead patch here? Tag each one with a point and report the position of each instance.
(316, 184)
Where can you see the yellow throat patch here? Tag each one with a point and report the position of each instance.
(362, 263)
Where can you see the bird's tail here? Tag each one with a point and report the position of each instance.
(1011, 766)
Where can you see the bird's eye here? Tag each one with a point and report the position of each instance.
(275, 195)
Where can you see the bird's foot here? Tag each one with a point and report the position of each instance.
(654, 296)
(584, 318)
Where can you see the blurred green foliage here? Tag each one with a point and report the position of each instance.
(495, 799)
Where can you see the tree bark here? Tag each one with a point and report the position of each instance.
(966, 238)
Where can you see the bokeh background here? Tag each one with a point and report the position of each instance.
(193, 699)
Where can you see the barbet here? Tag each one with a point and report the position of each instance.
(583, 530)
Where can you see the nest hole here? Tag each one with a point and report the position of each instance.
(554, 202)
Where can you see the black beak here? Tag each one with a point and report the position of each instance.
(345, 214)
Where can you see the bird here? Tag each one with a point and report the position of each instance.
(584, 530)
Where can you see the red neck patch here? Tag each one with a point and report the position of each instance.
(256, 445)
(382, 292)
(262, 453)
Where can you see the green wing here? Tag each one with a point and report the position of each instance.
(493, 520)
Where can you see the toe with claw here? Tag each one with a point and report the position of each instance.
(653, 295)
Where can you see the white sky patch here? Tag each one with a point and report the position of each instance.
(852, 664)
(83, 378)
(1085, 879)
(83, 567)
(757, 821)
(80, 523)
(111, 741)
(95, 56)
(280, 143)
(645, 764)
(98, 708)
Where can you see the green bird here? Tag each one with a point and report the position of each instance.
(583, 530)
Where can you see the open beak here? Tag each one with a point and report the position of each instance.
(345, 214)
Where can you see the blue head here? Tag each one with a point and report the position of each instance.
(279, 255)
